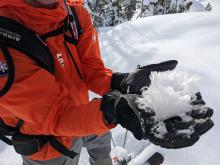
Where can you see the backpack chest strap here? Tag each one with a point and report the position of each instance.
(71, 24)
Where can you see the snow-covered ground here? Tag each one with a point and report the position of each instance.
(191, 38)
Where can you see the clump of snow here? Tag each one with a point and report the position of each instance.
(121, 154)
(186, 132)
(169, 94)
(159, 130)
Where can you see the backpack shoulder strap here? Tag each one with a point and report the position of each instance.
(56, 32)
(15, 35)
(71, 23)
(76, 18)
(74, 26)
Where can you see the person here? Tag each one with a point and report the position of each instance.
(58, 104)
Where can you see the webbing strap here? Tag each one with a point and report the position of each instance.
(19, 124)
(5, 139)
(61, 148)
(70, 39)
(56, 32)
(6, 130)
(69, 21)
(76, 18)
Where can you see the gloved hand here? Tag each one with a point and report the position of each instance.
(201, 114)
(184, 131)
(122, 109)
(133, 82)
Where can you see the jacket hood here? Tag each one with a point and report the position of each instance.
(38, 19)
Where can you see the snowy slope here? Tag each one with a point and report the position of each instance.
(193, 39)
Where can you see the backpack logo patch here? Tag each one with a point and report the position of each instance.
(3, 69)
(9, 35)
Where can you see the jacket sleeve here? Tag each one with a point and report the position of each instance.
(98, 77)
(45, 105)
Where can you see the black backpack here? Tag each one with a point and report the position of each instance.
(15, 35)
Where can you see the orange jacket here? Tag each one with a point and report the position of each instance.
(55, 105)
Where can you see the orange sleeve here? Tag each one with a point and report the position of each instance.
(45, 105)
(98, 77)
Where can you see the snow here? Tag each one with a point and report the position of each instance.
(160, 130)
(169, 94)
(196, 6)
(122, 155)
(191, 38)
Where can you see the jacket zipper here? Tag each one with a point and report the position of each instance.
(74, 62)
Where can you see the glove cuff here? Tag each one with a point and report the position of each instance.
(117, 79)
(107, 106)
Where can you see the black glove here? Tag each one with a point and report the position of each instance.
(186, 130)
(122, 109)
(201, 114)
(133, 82)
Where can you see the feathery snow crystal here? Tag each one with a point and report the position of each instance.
(169, 94)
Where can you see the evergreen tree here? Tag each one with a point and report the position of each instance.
(129, 7)
(159, 7)
(114, 12)
(208, 7)
(105, 12)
